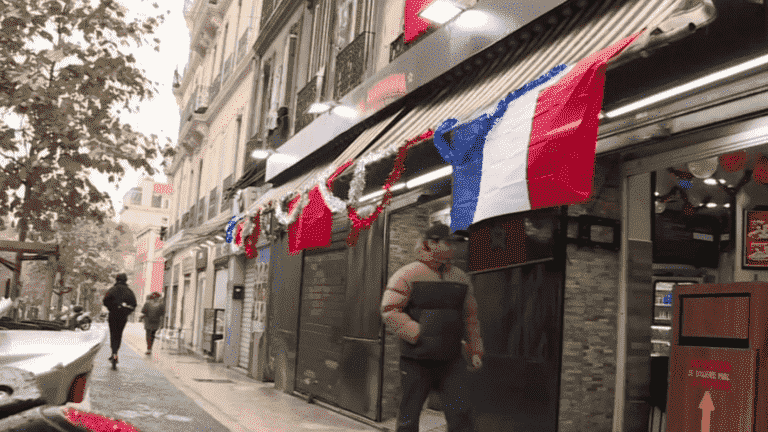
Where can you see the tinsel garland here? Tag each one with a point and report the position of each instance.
(247, 228)
(357, 184)
(287, 219)
(358, 223)
(337, 205)
(251, 240)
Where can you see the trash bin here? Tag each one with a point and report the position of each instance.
(719, 367)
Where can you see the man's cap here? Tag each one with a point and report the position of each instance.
(441, 231)
(122, 277)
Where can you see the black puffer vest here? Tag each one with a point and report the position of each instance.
(438, 308)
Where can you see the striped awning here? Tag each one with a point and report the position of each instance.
(365, 139)
(524, 57)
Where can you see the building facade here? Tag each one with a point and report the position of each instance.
(575, 335)
(146, 213)
(213, 94)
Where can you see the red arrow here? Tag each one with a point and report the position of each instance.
(706, 406)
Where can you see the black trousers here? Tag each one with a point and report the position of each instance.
(418, 377)
(116, 326)
(150, 337)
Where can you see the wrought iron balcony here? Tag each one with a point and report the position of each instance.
(201, 100)
(242, 45)
(215, 86)
(227, 69)
(351, 63)
(304, 98)
(398, 46)
(227, 204)
(213, 202)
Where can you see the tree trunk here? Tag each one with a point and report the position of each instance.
(19, 255)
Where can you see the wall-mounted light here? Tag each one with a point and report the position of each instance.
(219, 238)
(380, 192)
(710, 181)
(332, 106)
(442, 11)
(262, 154)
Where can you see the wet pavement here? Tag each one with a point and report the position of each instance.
(140, 394)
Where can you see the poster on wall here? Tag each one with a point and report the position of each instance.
(755, 252)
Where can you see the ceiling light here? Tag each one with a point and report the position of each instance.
(426, 178)
(656, 194)
(711, 205)
(710, 181)
(727, 205)
(701, 82)
(722, 181)
(441, 11)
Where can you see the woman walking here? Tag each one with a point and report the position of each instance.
(121, 302)
(152, 313)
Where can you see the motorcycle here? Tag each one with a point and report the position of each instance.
(75, 318)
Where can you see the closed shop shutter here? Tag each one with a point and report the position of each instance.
(245, 329)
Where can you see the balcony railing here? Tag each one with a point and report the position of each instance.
(227, 204)
(227, 69)
(351, 63)
(201, 211)
(213, 203)
(304, 98)
(215, 86)
(242, 45)
(201, 100)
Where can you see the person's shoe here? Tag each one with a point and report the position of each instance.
(149, 352)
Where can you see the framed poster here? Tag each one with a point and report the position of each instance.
(755, 250)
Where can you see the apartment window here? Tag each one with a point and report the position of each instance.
(157, 200)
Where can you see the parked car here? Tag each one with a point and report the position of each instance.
(60, 360)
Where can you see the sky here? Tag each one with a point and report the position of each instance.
(160, 115)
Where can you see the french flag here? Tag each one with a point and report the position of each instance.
(536, 150)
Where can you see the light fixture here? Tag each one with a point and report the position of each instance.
(380, 192)
(219, 238)
(426, 178)
(442, 11)
(332, 106)
(727, 205)
(711, 205)
(722, 181)
(701, 82)
(210, 243)
(320, 107)
(656, 194)
(262, 154)
(710, 181)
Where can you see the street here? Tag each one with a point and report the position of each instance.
(142, 395)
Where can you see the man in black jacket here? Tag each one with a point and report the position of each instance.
(121, 302)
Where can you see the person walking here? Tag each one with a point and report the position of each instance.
(152, 313)
(431, 306)
(121, 302)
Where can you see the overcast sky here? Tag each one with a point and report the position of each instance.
(160, 115)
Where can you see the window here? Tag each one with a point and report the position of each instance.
(157, 200)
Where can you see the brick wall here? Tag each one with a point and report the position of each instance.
(588, 373)
(405, 229)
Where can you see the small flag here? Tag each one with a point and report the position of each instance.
(536, 150)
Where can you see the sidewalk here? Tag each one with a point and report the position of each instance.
(243, 404)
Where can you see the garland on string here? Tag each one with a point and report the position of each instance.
(251, 240)
(287, 219)
(358, 223)
(239, 235)
(337, 205)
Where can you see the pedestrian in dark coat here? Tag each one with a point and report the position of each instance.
(121, 302)
(152, 313)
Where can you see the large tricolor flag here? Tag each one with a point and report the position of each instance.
(536, 150)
